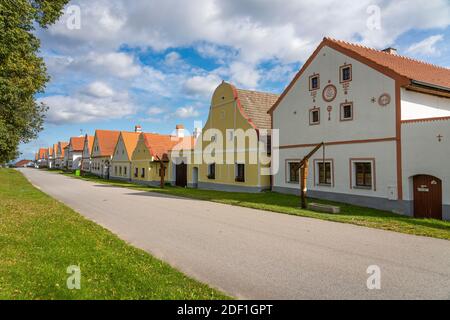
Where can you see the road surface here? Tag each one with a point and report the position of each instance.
(253, 254)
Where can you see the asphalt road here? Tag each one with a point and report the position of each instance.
(253, 254)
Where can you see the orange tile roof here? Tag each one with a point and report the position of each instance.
(55, 149)
(90, 142)
(255, 104)
(77, 144)
(42, 153)
(50, 152)
(403, 66)
(22, 163)
(160, 145)
(130, 139)
(63, 145)
(107, 140)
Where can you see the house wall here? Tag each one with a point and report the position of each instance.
(120, 164)
(370, 135)
(142, 159)
(417, 105)
(423, 153)
(224, 114)
(86, 157)
(74, 160)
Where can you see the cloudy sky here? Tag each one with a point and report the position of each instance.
(156, 62)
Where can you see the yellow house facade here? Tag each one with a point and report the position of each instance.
(233, 151)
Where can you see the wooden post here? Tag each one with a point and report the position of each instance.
(303, 183)
(162, 172)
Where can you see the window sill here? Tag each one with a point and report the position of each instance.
(362, 188)
(324, 185)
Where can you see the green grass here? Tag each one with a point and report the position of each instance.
(40, 237)
(289, 204)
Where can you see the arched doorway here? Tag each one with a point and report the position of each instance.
(427, 197)
(181, 175)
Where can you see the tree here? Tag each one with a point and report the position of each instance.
(22, 72)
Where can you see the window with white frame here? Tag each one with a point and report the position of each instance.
(314, 82)
(212, 171)
(324, 172)
(347, 111)
(363, 173)
(314, 116)
(293, 172)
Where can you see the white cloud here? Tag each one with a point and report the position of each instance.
(172, 58)
(155, 111)
(99, 90)
(97, 102)
(426, 47)
(202, 85)
(187, 112)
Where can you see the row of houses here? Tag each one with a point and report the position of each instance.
(356, 125)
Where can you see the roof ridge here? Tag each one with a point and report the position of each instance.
(257, 91)
(386, 53)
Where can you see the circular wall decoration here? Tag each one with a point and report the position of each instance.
(329, 93)
(384, 99)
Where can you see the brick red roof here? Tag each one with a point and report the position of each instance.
(160, 145)
(63, 146)
(107, 140)
(22, 163)
(130, 140)
(42, 154)
(77, 144)
(403, 66)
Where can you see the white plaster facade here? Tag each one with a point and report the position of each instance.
(371, 136)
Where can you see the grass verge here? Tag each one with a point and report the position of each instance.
(40, 238)
(289, 204)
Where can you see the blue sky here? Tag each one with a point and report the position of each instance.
(156, 63)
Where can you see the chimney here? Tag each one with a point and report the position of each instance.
(197, 133)
(180, 131)
(138, 129)
(390, 50)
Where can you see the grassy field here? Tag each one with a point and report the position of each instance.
(289, 204)
(40, 238)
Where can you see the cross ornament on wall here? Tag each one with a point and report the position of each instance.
(440, 137)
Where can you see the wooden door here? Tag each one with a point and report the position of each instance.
(427, 197)
(181, 175)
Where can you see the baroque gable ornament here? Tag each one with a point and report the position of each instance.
(329, 93)
(384, 99)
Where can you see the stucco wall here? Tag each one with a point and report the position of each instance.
(424, 154)
(418, 105)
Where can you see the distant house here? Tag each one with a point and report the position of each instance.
(59, 156)
(75, 153)
(151, 150)
(86, 156)
(385, 122)
(121, 160)
(102, 152)
(42, 158)
(24, 164)
(50, 158)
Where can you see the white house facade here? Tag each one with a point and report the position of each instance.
(366, 109)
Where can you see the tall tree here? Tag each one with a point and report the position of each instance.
(22, 72)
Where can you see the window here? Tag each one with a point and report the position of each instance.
(269, 145)
(240, 172)
(346, 73)
(294, 175)
(347, 111)
(314, 116)
(143, 173)
(115, 170)
(120, 170)
(212, 171)
(136, 172)
(125, 171)
(324, 168)
(363, 174)
(314, 82)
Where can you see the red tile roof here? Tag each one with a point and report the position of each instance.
(130, 140)
(403, 66)
(42, 154)
(90, 143)
(255, 105)
(77, 144)
(63, 145)
(22, 163)
(160, 145)
(107, 140)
